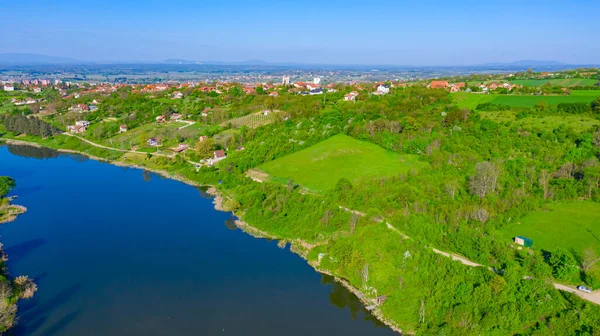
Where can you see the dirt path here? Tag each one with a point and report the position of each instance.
(114, 149)
(592, 297)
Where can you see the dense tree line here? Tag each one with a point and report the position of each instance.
(19, 124)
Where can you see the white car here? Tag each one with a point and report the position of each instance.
(584, 289)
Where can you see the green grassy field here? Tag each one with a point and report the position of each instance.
(571, 225)
(471, 100)
(556, 82)
(253, 120)
(579, 123)
(320, 167)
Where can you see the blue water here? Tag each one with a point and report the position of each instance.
(119, 251)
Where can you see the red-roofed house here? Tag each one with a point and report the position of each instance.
(438, 84)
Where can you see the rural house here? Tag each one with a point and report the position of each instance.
(153, 142)
(122, 128)
(175, 116)
(438, 84)
(219, 155)
(160, 119)
(76, 129)
(351, 96)
(382, 89)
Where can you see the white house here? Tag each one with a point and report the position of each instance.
(351, 96)
(382, 89)
(8, 87)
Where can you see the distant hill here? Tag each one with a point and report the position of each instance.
(526, 63)
(27, 59)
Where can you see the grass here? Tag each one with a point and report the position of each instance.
(253, 120)
(319, 167)
(556, 82)
(571, 225)
(471, 100)
(580, 123)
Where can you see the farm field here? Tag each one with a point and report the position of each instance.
(571, 225)
(319, 167)
(579, 123)
(471, 100)
(253, 120)
(556, 82)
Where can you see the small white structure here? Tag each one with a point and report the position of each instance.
(317, 80)
(382, 89)
(351, 96)
(8, 87)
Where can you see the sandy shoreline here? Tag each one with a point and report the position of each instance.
(297, 246)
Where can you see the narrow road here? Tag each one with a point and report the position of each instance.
(592, 297)
(196, 164)
(114, 149)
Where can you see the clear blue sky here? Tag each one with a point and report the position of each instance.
(397, 32)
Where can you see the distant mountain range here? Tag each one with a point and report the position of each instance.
(526, 63)
(37, 59)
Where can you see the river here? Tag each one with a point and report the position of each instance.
(121, 251)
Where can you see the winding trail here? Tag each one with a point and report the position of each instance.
(197, 164)
(593, 297)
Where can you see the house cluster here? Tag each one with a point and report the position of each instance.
(173, 117)
(27, 101)
(80, 108)
(494, 86)
(79, 127)
(455, 87)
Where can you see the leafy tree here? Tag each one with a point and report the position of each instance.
(564, 265)
(6, 185)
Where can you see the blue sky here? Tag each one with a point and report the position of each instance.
(399, 32)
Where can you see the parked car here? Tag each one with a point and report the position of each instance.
(584, 289)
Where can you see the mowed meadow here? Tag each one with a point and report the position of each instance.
(571, 225)
(566, 82)
(471, 100)
(319, 167)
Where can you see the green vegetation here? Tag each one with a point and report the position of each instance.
(569, 225)
(21, 287)
(567, 82)
(578, 123)
(472, 100)
(447, 170)
(254, 120)
(319, 167)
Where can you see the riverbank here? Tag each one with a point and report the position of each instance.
(297, 246)
(10, 212)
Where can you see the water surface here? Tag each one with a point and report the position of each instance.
(120, 251)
